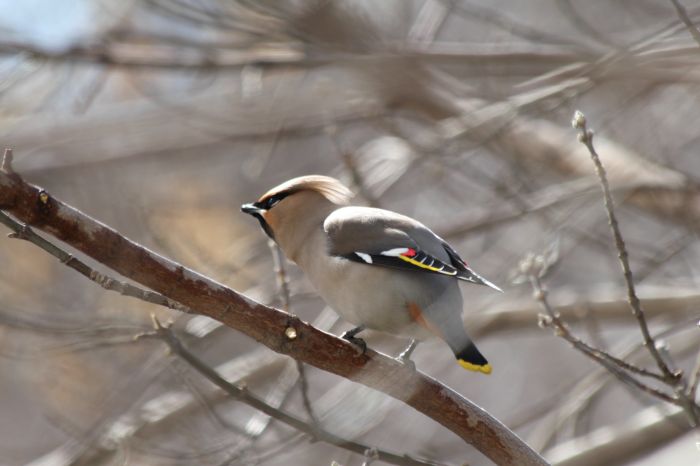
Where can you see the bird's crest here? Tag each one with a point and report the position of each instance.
(328, 187)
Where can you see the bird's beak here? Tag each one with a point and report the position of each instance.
(257, 212)
(251, 209)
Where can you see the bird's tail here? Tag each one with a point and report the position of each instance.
(448, 325)
(471, 359)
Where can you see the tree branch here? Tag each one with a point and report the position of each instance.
(604, 304)
(275, 329)
(683, 15)
(586, 138)
(615, 365)
(22, 231)
(164, 333)
(283, 285)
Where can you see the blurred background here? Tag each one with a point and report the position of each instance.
(160, 117)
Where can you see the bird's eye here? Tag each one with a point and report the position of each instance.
(272, 201)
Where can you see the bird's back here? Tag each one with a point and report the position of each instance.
(378, 297)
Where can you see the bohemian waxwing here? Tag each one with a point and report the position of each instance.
(376, 268)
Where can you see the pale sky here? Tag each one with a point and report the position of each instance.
(53, 25)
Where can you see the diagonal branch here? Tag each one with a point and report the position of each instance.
(683, 15)
(275, 329)
(25, 232)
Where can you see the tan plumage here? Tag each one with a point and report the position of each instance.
(376, 268)
(328, 187)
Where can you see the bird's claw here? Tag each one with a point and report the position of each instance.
(359, 343)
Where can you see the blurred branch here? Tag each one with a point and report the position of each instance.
(123, 394)
(165, 408)
(351, 167)
(277, 330)
(164, 333)
(371, 454)
(611, 444)
(683, 15)
(501, 214)
(283, 285)
(695, 380)
(171, 57)
(577, 21)
(657, 303)
(281, 275)
(428, 22)
(163, 56)
(7, 159)
(511, 24)
(192, 127)
(25, 232)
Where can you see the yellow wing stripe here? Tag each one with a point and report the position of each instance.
(485, 369)
(424, 266)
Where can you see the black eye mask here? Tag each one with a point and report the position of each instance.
(256, 209)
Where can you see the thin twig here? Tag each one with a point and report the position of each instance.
(351, 167)
(371, 454)
(695, 380)
(304, 388)
(283, 285)
(608, 305)
(25, 232)
(586, 137)
(533, 267)
(683, 15)
(7, 161)
(615, 365)
(164, 333)
(578, 397)
(281, 275)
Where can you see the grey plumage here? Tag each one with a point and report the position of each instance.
(374, 230)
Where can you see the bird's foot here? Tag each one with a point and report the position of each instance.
(405, 356)
(358, 342)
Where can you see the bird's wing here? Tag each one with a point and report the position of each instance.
(384, 238)
(404, 258)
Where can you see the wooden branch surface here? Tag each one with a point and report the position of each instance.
(271, 327)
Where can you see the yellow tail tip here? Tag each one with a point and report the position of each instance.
(485, 369)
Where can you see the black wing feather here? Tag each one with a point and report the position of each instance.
(463, 270)
(420, 262)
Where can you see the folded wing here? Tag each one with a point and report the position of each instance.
(383, 238)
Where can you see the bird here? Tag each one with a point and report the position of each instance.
(377, 269)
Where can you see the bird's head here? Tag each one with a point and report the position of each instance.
(284, 209)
